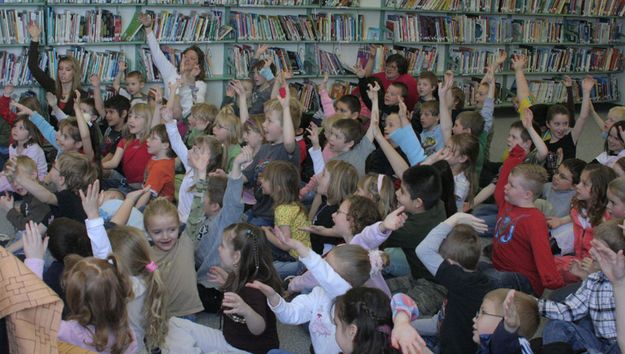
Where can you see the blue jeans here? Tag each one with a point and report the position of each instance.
(286, 269)
(398, 265)
(278, 351)
(578, 334)
(508, 280)
(488, 213)
(258, 220)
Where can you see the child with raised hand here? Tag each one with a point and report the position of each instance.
(588, 210)
(337, 182)
(586, 319)
(71, 173)
(68, 138)
(282, 115)
(132, 151)
(97, 291)
(147, 312)
(135, 82)
(174, 254)
(227, 130)
(504, 322)
(613, 267)
(451, 252)
(562, 137)
(204, 144)
(349, 223)
(346, 266)
(216, 205)
(280, 180)
(200, 122)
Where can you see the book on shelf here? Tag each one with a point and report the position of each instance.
(469, 60)
(341, 3)
(306, 93)
(563, 7)
(341, 88)
(424, 58)
(95, 2)
(431, 5)
(14, 25)
(179, 27)
(261, 3)
(553, 90)
(470, 87)
(98, 25)
(192, 2)
(14, 68)
(571, 59)
(331, 63)
(133, 28)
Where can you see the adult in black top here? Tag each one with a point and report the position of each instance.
(68, 74)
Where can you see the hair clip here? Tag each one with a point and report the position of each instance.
(151, 267)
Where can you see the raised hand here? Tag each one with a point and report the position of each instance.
(467, 219)
(372, 92)
(198, 160)
(234, 305)
(34, 246)
(519, 61)
(260, 50)
(324, 84)
(34, 30)
(21, 109)
(136, 194)
(77, 97)
(588, 83)
(146, 21)
(167, 114)
(501, 58)
(527, 119)
(567, 81)
(511, 319)
(8, 90)
(313, 135)
(612, 263)
(92, 200)
(246, 155)
(394, 220)
(52, 100)
(403, 111)
(122, 66)
(360, 71)
(271, 295)
(95, 80)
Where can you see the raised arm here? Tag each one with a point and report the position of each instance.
(117, 81)
(174, 138)
(32, 186)
(522, 88)
(570, 98)
(236, 86)
(100, 244)
(445, 104)
(288, 130)
(53, 104)
(326, 102)
(539, 143)
(83, 128)
(45, 128)
(158, 98)
(587, 84)
(33, 59)
(370, 61)
(164, 66)
(372, 93)
(97, 95)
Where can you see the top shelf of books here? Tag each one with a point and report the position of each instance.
(533, 8)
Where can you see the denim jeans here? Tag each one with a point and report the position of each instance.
(257, 220)
(488, 213)
(580, 335)
(508, 280)
(286, 269)
(398, 265)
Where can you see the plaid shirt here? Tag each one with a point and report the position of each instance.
(595, 298)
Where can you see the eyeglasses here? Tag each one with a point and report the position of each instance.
(481, 312)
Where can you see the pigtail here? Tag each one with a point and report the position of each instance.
(154, 307)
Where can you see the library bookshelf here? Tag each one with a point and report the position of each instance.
(309, 37)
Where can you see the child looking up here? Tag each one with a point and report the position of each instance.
(174, 256)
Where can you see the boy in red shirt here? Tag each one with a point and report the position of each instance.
(521, 239)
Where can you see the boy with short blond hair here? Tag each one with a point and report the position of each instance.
(521, 252)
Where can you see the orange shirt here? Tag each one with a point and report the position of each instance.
(159, 174)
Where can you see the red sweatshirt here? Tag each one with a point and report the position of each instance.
(521, 241)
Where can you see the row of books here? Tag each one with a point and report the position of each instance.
(194, 27)
(93, 26)
(104, 64)
(579, 59)
(547, 91)
(492, 29)
(564, 7)
(14, 25)
(331, 63)
(120, 2)
(322, 27)
(424, 58)
(306, 93)
(241, 57)
(470, 87)
(14, 68)
(341, 88)
(440, 5)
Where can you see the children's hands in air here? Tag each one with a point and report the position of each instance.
(501, 58)
(360, 71)
(518, 62)
(146, 20)
(34, 246)
(612, 263)
(52, 100)
(167, 115)
(467, 219)
(135, 195)
(511, 319)
(284, 101)
(318, 229)
(567, 81)
(588, 84)
(527, 119)
(34, 30)
(198, 159)
(403, 111)
(246, 155)
(234, 305)
(92, 200)
(21, 109)
(313, 135)
(95, 80)
(271, 295)
(394, 220)
(372, 93)
(8, 90)
(324, 84)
